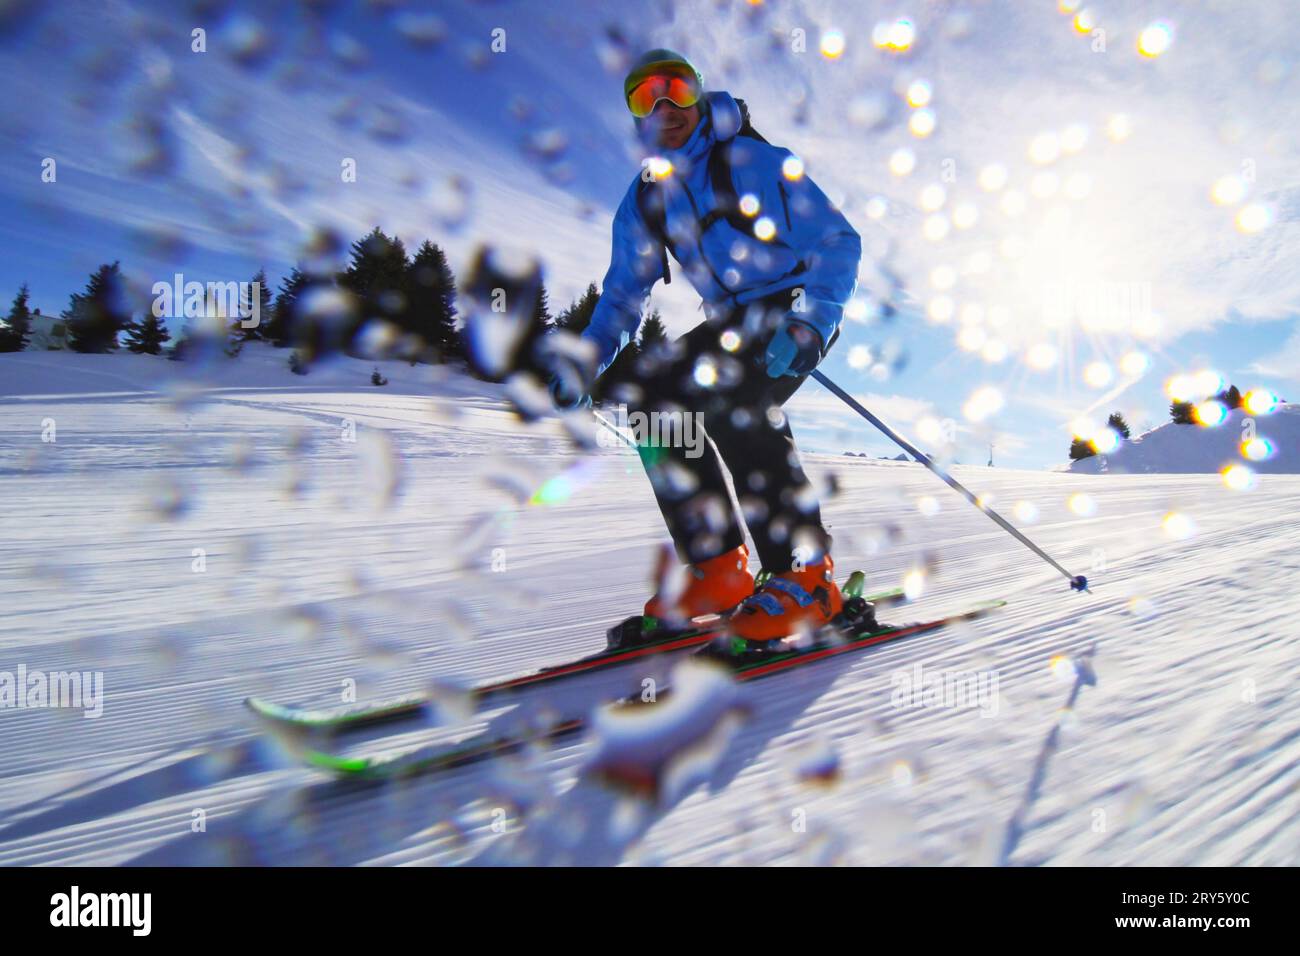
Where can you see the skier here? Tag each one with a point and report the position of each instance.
(774, 263)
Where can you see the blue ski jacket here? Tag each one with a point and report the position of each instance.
(813, 247)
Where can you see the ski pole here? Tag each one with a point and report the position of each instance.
(615, 429)
(1077, 581)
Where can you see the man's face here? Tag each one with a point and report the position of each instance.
(673, 125)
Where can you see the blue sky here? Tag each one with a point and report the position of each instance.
(217, 163)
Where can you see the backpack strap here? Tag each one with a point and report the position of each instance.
(726, 204)
(650, 203)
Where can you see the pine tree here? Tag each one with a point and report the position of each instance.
(531, 353)
(18, 323)
(1081, 449)
(261, 301)
(278, 330)
(1117, 422)
(1182, 413)
(653, 331)
(542, 319)
(377, 276)
(199, 342)
(234, 339)
(147, 336)
(432, 291)
(96, 316)
(183, 347)
(1230, 398)
(575, 320)
(577, 317)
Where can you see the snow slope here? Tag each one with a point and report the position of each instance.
(1192, 449)
(200, 547)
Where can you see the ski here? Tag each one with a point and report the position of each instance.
(627, 641)
(747, 665)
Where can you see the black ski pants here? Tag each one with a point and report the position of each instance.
(712, 384)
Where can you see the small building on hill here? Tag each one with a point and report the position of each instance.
(49, 333)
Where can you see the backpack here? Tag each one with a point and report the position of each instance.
(650, 201)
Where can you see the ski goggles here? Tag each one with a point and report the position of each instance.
(676, 83)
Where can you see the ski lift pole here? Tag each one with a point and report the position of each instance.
(1077, 581)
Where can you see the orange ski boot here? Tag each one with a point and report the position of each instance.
(712, 586)
(789, 603)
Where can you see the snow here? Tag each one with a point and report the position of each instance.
(1194, 449)
(200, 546)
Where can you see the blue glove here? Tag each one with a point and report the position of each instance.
(564, 397)
(794, 350)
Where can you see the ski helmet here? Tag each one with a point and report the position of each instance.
(662, 61)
